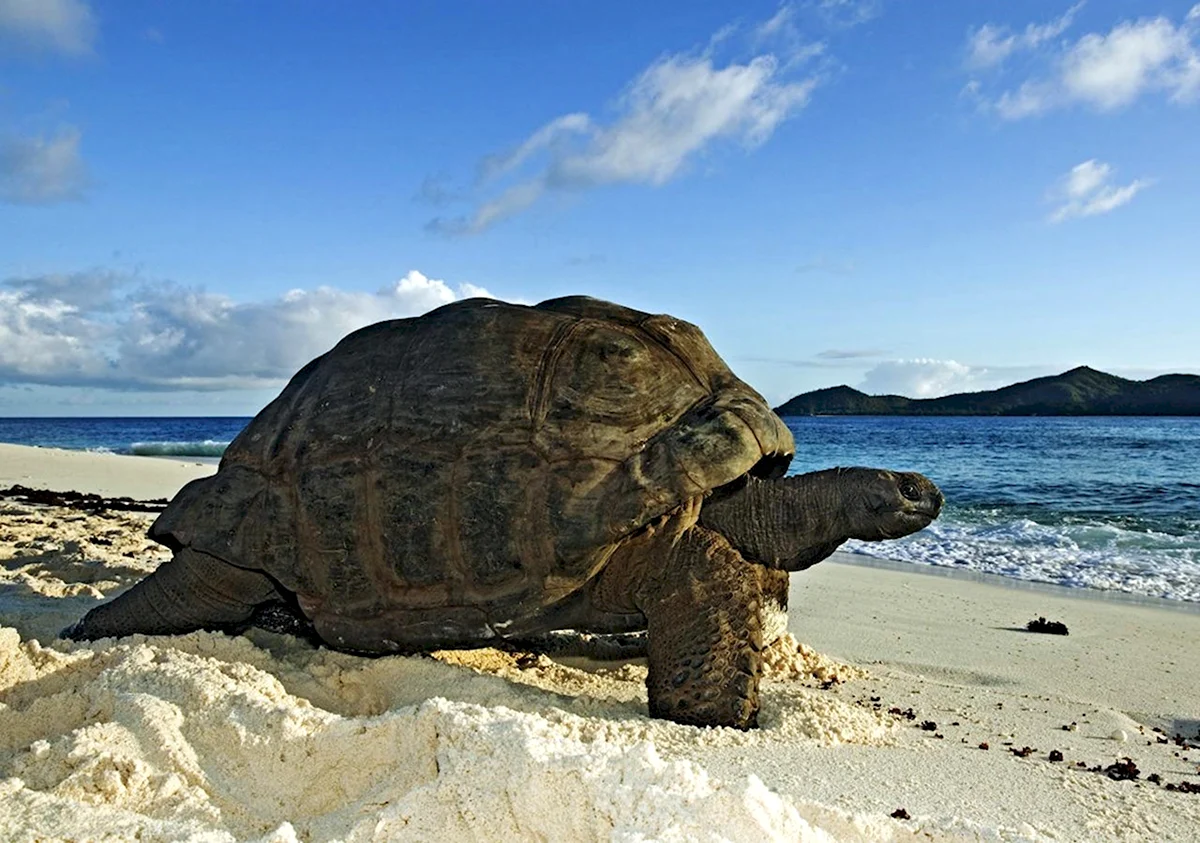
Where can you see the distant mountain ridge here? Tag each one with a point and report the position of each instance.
(1082, 391)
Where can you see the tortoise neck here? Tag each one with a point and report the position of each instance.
(790, 524)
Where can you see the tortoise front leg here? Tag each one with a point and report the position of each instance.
(703, 605)
(190, 591)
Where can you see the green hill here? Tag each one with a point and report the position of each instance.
(1079, 392)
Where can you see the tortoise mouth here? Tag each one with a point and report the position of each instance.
(909, 518)
(928, 508)
(919, 516)
(905, 522)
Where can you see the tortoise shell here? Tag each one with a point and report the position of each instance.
(435, 479)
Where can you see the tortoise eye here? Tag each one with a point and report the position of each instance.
(909, 490)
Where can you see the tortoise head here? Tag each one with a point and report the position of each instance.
(880, 504)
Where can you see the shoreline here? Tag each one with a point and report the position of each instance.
(987, 578)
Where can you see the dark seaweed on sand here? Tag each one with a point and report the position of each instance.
(1048, 627)
(80, 500)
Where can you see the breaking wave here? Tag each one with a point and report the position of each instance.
(1077, 553)
(206, 448)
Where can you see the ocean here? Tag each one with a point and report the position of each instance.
(1103, 503)
(1111, 504)
(177, 436)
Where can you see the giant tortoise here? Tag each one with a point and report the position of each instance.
(489, 472)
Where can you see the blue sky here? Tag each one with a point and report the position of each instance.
(911, 197)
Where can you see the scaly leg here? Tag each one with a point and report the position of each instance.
(190, 591)
(703, 605)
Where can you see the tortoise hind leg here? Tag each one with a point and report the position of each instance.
(190, 591)
(703, 606)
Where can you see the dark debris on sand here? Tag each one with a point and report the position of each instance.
(1048, 627)
(1183, 787)
(85, 501)
(1123, 770)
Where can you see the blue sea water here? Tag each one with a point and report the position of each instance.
(177, 436)
(1101, 503)
(1097, 503)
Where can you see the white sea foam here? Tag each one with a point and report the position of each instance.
(1083, 555)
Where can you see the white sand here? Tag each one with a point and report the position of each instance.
(207, 737)
(104, 474)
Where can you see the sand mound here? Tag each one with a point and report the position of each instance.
(211, 736)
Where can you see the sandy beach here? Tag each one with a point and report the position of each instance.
(903, 706)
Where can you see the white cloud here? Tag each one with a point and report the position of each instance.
(1105, 72)
(778, 23)
(1029, 99)
(99, 329)
(1087, 190)
(847, 13)
(784, 35)
(553, 132)
(66, 26)
(1086, 178)
(673, 111)
(849, 353)
(1110, 71)
(990, 45)
(509, 203)
(40, 171)
(925, 378)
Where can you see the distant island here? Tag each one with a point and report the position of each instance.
(1079, 392)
